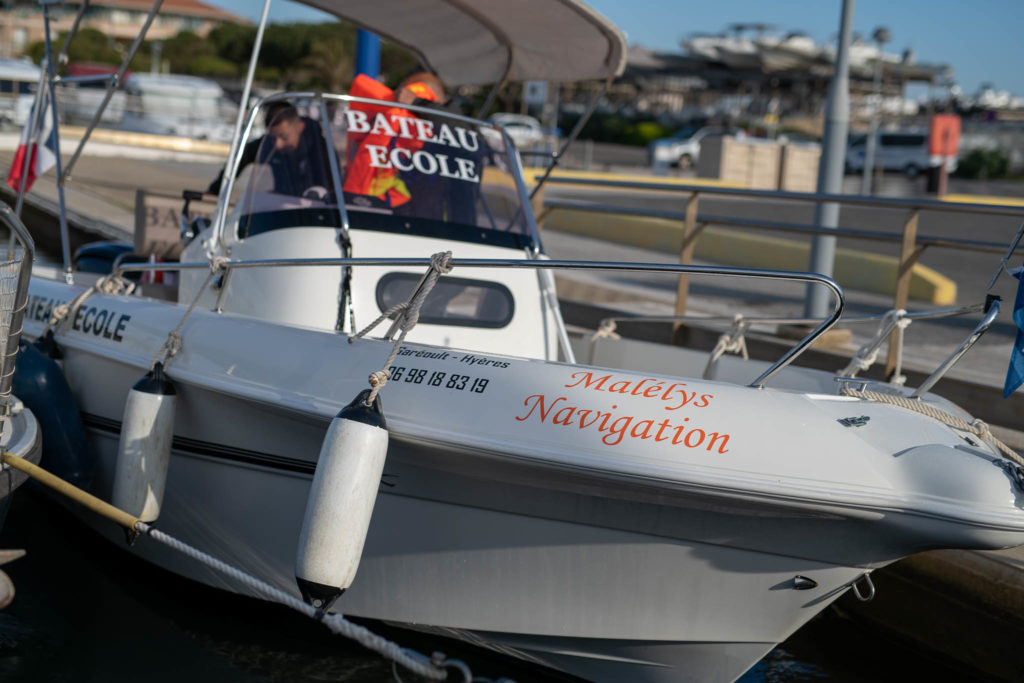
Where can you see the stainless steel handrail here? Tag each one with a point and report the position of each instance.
(734, 320)
(965, 345)
(14, 224)
(920, 315)
(618, 266)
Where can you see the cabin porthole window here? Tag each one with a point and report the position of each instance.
(452, 301)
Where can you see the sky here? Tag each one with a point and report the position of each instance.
(983, 40)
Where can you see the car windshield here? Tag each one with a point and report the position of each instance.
(401, 169)
(685, 133)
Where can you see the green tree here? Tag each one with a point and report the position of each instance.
(183, 50)
(328, 66)
(396, 63)
(233, 42)
(983, 164)
(210, 65)
(293, 55)
(89, 45)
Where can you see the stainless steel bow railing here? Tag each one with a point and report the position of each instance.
(617, 266)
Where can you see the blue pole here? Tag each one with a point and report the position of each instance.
(367, 53)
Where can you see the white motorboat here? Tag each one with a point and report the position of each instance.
(863, 55)
(703, 46)
(742, 52)
(621, 519)
(795, 52)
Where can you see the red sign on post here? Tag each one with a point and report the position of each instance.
(944, 139)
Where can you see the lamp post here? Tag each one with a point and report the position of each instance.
(830, 168)
(880, 36)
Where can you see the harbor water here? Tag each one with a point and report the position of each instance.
(88, 611)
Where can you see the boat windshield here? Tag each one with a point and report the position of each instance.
(405, 170)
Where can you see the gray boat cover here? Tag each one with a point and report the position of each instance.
(473, 42)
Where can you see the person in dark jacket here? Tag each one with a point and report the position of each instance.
(252, 148)
(295, 151)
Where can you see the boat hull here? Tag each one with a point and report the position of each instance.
(595, 600)
(604, 554)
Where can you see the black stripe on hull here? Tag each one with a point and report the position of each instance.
(213, 450)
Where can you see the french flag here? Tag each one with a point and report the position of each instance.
(41, 157)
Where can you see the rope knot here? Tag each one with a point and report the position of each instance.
(379, 378)
(59, 313)
(114, 284)
(218, 263)
(733, 340)
(174, 343)
(442, 262)
(864, 363)
(867, 354)
(981, 428)
(607, 329)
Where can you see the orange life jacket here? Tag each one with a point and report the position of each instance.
(362, 177)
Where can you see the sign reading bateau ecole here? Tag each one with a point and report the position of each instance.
(95, 320)
(158, 222)
(421, 130)
(616, 426)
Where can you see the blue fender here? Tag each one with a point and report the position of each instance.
(40, 383)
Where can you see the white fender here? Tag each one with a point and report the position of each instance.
(144, 451)
(340, 502)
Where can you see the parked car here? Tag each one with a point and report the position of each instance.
(905, 151)
(525, 131)
(682, 149)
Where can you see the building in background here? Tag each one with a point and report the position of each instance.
(21, 21)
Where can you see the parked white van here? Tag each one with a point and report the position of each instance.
(905, 151)
(172, 104)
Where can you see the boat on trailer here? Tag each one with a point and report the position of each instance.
(613, 521)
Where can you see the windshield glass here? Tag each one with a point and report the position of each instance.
(401, 169)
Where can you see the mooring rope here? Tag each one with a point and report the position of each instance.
(432, 668)
(732, 341)
(978, 427)
(108, 284)
(335, 622)
(868, 353)
(174, 341)
(408, 313)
